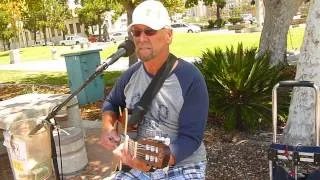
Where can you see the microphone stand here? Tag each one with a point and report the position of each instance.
(57, 108)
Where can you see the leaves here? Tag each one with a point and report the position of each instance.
(239, 85)
(5, 32)
(220, 3)
(45, 14)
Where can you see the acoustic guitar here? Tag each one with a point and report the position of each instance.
(152, 152)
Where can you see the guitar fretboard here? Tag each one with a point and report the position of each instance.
(151, 133)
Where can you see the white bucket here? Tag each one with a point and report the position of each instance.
(30, 155)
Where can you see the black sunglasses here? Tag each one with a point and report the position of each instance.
(148, 32)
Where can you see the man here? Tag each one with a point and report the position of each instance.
(178, 111)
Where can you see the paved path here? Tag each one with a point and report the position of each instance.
(56, 66)
(60, 66)
(100, 161)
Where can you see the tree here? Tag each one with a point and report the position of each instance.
(220, 4)
(5, 32)
(31, 17)
(14, 8)
(58, 14)
(300, 125)
(92, 12)
(278, 17)
(30, 22)
(52, 14)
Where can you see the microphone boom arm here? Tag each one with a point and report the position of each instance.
(125, 49)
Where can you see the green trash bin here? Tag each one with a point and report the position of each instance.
(80, 66)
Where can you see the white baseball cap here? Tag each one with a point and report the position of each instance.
(151, 13)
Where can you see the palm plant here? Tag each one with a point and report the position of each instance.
(240, 86)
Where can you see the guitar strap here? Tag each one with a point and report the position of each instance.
(142, 107)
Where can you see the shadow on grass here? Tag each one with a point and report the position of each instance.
(59, 79)
(54, 78)
(4, 54)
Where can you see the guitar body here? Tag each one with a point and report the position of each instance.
(148, 152)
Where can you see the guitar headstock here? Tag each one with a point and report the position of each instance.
(154, 152)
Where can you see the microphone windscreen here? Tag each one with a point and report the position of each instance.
(128, 45)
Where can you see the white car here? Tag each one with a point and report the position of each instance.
(42, 43)
(184, 27)
(118, 36)
(73, 40)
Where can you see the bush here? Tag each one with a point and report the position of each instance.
(219, 23)
(235, 20)
(240, 86)
(211, 24)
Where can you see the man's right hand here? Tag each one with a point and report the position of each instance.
(109, 139)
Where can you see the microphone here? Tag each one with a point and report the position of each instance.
(125, 49)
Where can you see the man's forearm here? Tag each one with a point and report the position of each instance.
(108, 120)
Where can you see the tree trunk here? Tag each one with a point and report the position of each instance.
(9, 45)
(92, 29)
(105, 33)
(64, 32)
(278, 17)
(4, 45)
(301, 127)
(99, 26)
(218, 13)
(130, 7)
(44, 34)
(35, 36)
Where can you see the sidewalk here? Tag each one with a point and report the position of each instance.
(59, 65)
(100, 160)
(76, 149)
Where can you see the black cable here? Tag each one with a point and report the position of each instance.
(59, 144)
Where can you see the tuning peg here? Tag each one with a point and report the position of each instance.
(152, 149)
(167, 141)
(151, 158)
(162, 139)
(157, 138)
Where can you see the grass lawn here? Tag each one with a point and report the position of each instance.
(184, 45)
(32, 54)
(48, 78)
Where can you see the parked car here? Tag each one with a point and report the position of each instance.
(92, 38)
(42, 43)
(118, 36)
(95, 38)
(73, 40)
(184, 27)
